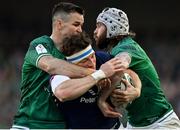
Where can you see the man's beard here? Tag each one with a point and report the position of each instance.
(102, 44)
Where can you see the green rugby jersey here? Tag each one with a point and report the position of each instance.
(37, 108)
(152, 104)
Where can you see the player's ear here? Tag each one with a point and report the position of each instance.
(59, 24)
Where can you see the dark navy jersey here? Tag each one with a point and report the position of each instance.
(101, 58)
(83, 112)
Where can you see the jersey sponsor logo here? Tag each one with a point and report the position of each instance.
(88, 100)
(41, 49)
(92, 92)
(91, 98)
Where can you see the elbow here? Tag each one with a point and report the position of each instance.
(61, 95)
(46, 64)
(49, 69)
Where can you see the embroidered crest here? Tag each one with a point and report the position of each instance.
(41, 49)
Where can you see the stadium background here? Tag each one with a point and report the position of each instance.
(156, 22)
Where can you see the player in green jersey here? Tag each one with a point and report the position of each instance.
(44, 58)
(151, 109)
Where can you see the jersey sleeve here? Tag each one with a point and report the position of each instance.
(135, 52)
(36, 51)
(57, 80)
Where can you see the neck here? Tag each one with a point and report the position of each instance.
(57, 41)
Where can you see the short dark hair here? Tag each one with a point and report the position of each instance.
(67, 8)
(75, 43)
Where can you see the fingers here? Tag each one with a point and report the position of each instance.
(120, 100)
(120, 96)
(108, 82)
(108, 111)
(113, 66)
(104, 83)
(115, 60)
(112, 114)
(126, 83)
(118, 92)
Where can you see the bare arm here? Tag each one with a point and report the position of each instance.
(105, 93)
(73, 88)
(131, 93)
(136, 82)
(125, 59)
(53, 65)
(119, 97)
(105, 108)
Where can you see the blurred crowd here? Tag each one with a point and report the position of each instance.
(164, 53)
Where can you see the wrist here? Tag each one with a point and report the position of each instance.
(98, 75)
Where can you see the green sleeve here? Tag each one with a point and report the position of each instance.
(36, 51)
(136, 53)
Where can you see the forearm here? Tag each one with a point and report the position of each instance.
(125, 59)
(138, 88)
(105, 107)
(74, 88)
(57, 66)
(136, 81)
(104, 94)
(68, 69)
(132, 91)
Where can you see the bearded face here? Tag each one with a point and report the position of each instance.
(100, 35)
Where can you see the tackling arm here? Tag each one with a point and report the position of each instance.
(105, 108)
(73, 88)
(57, 66)
(119, 97)
(131, 93)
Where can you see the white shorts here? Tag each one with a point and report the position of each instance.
(168, 121)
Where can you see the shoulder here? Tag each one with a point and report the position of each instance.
(44, 40)
(102, 57)
(41, 44)
(41, 39)
(126, 45)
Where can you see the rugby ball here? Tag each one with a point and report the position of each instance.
(121, 85)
